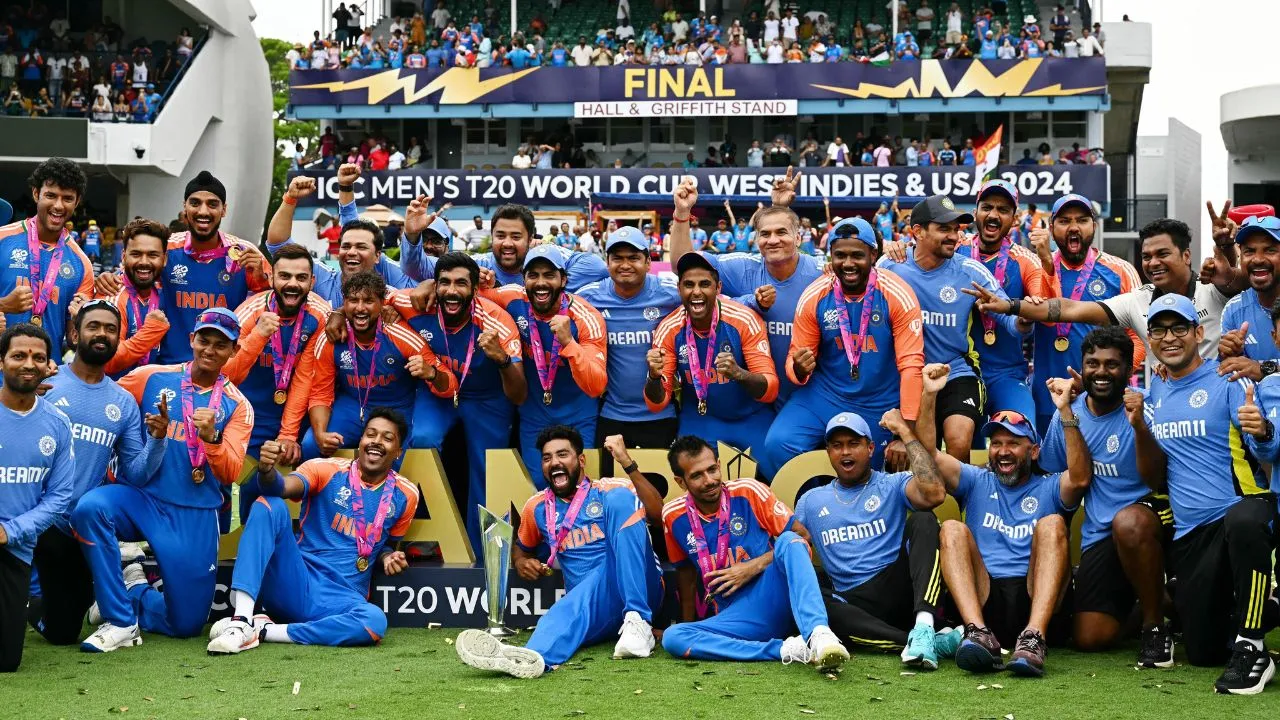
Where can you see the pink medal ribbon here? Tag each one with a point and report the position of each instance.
(1002, 265)
(1077, 292)
(471, 345)
(354, 348)
(546, 368)
(195, 449)
(282, 363)
(701, 378)
(368, 533)
(557, 533)
(852, 346)
(133, 304)
(702, 550)
(43, 288)
(204, 256)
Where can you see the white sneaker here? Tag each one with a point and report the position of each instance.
(134, 575)
(132, 552)
(637, 638)
(110, 637)
(482, 651)
(795, 649)
(237, 635)
(825, 649)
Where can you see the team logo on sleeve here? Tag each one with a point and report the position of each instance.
(738, 526)
(1198, 398)
(345, 361)
(1030, 505)
(344, 494)
(872, 504)
(18, 258)
(831, 319)
(651, 313)
(1113, 444)
(113, 412)
(779, 509)
(1097, 288)
(595, 509)
(48, 446)
(915, 326)
(947, 294)
(178, 275)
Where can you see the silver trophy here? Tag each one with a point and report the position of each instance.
(495, 538)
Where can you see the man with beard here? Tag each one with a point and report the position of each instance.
(1006, 565)
(572, 333)
(176, 512)
(144, 323)
(511, 230)
(856, 346)
(108, 435)
(43, 269)
(275, 364)
(1126, 528)
(940, 280)
(1192, 438)
(703, 347)
(1018, 272)
(769, 281)
(1253, 354)
(39, 473)
(1090, 274)
(633, 302)
(744, 574)
(883, 565)
(376, 366)
(595, 532)
(479, 342)
(313, 586)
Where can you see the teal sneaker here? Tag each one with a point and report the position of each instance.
(947, 640)
(920, 651)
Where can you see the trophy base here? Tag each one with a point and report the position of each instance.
(499, 631)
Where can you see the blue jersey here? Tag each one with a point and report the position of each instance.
(1003, 519)
(722, 241)
(559, 57)
(1267, 397)
(37, 474)
(756, 517)
(435, 57)
(327, 529)
(857, 531)
(92, 241)
(190, 287)
(1116, 483)
(74, 275)
(1195, 421)
(584, 549)
(949, 314)
(884, 223)
(698, 237)
(741, 274)
(1245, 307)
(744, 239)
(107, 432)
(369, 376)
(630, 324)
(483, 381)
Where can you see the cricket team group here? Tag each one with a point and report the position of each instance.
(131, 400)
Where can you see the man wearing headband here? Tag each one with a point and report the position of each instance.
(143, 323)
(1191, 436)
(1248, 345)
(856, 346)
(716, 350)
(1007, 564)
(208, 425)
(108, 435)
(42, 270)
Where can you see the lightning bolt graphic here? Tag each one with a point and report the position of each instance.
(460, 86)
(977, 79)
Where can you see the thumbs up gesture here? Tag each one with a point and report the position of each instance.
(1232, 342)
(1251, 418)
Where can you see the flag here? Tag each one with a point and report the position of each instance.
(987, 156)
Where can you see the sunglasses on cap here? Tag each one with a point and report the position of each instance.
(99, 304)
(1010, 416)
(222, 320)
(1269, 222)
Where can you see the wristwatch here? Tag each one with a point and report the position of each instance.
(1072, 422)
(631, 468)
(1269, 367)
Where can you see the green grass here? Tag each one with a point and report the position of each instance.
(416, 674)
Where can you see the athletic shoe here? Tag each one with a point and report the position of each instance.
(636, 639)
(133, 575)
(132, 552)
(826, 650)
(979, 651)
(920, 651)
(110, 637)
(795, 649)
(1028, 655)
(1157, 647)
(946, 640)
(483, 651)
(1248, 671)
(259, 621)
(237, 636)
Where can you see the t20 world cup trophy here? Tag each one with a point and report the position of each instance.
(496, 536)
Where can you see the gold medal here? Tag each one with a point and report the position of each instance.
(546, 398)
(546, 571)
(37, 321)
(279, 397)
(455, 400)
(853, 373)
(989, 337)
(1061, 344)
(702, 407)
(362, 563)
(197, 475)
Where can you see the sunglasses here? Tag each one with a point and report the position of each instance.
(1010, 416)
(223, 321)
(99, 304)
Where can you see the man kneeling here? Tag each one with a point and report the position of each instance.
(315, 586)
(595, 532)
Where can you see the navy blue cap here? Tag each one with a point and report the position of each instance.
(1014, 422)
(692, 260)
(854, 227)
(627, 235)
(547, 252)
(1180, 305)
(1071, 199)
(850, 421)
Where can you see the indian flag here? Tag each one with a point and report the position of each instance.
(987, 155)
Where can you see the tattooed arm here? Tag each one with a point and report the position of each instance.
(925, 490)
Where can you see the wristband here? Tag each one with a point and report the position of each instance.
(631, 468)
(347, 188)
(1070, 422)
(290, 200)
(1014, 306)
(684, 219)
(505, 363)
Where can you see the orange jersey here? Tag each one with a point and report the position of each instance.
(140, 335)
(762, 515)
(483, 376)
(346, 367)
(585, 355)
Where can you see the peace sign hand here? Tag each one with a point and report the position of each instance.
(988, 301)
(784, 188)
(1224, 228)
